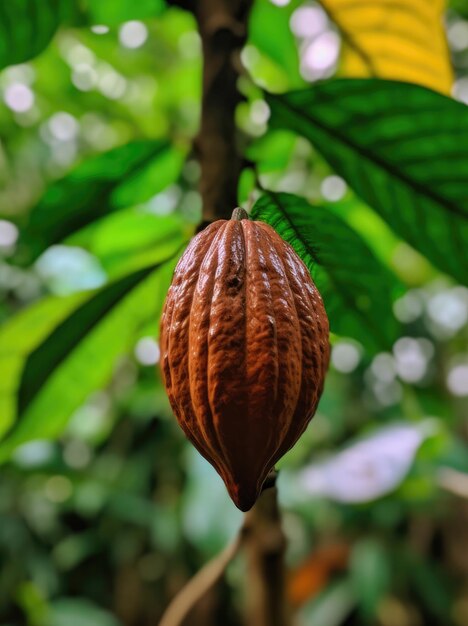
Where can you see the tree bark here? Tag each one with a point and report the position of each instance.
(223, 29)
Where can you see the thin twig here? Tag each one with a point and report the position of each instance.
(212, 572)
(199, 585)
(454, 481)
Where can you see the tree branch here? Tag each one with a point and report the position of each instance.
(223, 29)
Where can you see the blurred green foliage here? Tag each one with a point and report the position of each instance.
(105, 510)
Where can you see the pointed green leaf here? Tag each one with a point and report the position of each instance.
(269, 32)
(402, 148)
(78, 355)
(370, 576)
(22, 335)
(27, 27)
(132, 239)
(152, 178)
(99, 186)
(357, 289)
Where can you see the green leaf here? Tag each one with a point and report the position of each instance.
(78, 611)
(99, 186)
(112, 12)
(27, 27)
(158, 174)
(357, 289)
(273, 151)
(270, 33)
(460, 6)
(402, 148)
(58, 366)
(431, 585)
(22, 335)
(370, 576)
(246, 185)
(132, 239)
(332, 606)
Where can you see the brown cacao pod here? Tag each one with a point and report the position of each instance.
(244, 350)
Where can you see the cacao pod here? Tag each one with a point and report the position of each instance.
(244, 350)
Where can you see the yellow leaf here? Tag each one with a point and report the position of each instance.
(396, 39)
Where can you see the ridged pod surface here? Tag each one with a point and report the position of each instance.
(244, 350)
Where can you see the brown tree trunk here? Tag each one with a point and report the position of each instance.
(223, 29)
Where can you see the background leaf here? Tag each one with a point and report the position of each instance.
(27, 26)
(461, 6)
(402, 148)
(126, 175)
(270, 33)
(332, 606)
(272, 151)
(370, 575)
(356, 288)
(80, 353)
(399, 40)
(80, 612)
(20, 336)
(132, 239)
(112, 12)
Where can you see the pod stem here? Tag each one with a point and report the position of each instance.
(239, 214)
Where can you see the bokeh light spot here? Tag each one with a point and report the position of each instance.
(63, 126)
(133, 34)
(67, 269)
(333, 188)
(408, 308)
(320, 56)
(412, 357)
(259, 112)
(345, 356)
(308, 21)
(448, 310)
(99, 29)
(8, 234)
(383, 367)
(147, 351)
(84, 77)
(19, 97)
(458, 35)
(460, 89)
(77, 454)
(58, 489)
(457, 380)
(111, 84)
